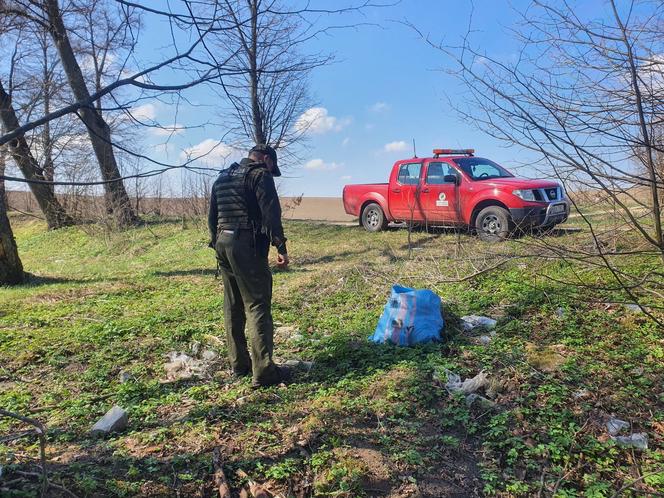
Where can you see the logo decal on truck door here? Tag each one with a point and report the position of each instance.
(442, 202)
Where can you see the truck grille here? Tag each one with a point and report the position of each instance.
(548, 194)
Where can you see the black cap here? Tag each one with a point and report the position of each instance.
(266, 149)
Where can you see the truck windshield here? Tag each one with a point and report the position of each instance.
(482, 169)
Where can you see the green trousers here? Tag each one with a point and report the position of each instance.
(247, 280)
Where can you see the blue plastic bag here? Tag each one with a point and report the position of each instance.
(410, 317)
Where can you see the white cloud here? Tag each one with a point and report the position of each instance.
(128, 73)
(145, 112)
(320, 165)
(398, 146)
(345, 142)
(168, 130)
(380, 107)
(318, 121)
(210, 151)
(346, 177)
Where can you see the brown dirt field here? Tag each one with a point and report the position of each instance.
(316, 208)
(328, 209)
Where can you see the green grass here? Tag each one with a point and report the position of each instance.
(367, 420)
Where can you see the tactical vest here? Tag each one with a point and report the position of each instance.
(237, 206)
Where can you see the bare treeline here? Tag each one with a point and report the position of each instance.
(581, 94)
(78, 80)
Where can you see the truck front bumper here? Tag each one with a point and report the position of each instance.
(540, 216)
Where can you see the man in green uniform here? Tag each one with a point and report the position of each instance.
(244, 219)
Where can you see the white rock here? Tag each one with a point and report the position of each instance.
(299, 364)
(115, 420)
(472, 322)
(634, 308)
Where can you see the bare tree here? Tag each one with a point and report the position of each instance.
(269, 90)
(117, 200)
(20, 151)
(48, 16)
(584, 95)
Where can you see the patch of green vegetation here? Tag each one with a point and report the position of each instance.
(366, 416)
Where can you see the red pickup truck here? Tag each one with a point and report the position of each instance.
(456, 188)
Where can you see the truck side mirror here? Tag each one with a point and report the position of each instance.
(451, 179)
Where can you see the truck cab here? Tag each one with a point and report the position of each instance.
(452, 188)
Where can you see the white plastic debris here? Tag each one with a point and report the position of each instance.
(484, 339)
(209, 355)
(615, 426)
(472, 398)
(468, 386)
(638, 440)
(115, 420)
(473, 322)
(181, 366)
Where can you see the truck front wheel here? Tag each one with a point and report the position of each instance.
(493, 224)
(373, 219)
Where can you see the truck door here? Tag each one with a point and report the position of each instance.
(404, 195)
(439, 193)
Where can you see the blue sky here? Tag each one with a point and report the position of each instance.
(386, 88)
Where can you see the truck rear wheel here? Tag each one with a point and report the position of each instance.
(373, 219)
(493, 224)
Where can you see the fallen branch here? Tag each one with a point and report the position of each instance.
(41, 433)
(220, 481)
(632, 483)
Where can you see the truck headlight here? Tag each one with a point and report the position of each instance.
(526, 195)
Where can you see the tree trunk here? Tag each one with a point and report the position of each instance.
(257, 116)
(118, 203)
(55, 215)
(49, 166)
(11, 268)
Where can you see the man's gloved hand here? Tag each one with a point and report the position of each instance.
(282, 260)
